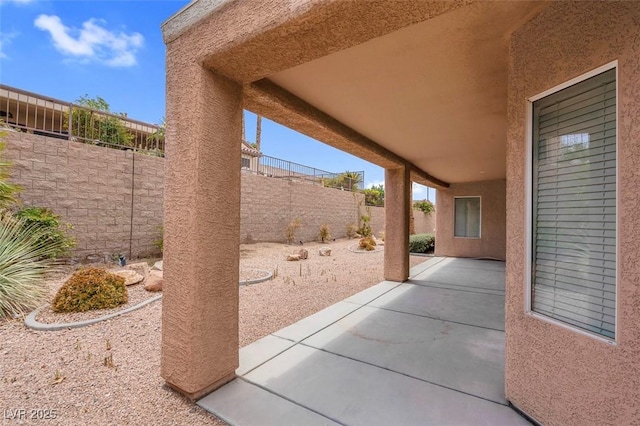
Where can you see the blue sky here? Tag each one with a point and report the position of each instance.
(114, 49)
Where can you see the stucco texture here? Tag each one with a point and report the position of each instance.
(396, 224)
(492, 229)
(202, 227)
(554, 374)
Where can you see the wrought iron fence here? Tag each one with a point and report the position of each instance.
(279, 168)
(51, 117)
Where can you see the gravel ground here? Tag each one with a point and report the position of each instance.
(109, 373)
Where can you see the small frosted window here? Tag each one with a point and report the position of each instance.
(467, 217)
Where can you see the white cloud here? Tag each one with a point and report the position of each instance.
(5, 39)
(17, 1)
(374, 183)
(92, 42)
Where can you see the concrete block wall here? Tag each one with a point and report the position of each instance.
(269, 205)
(424, 224)
(91, 188)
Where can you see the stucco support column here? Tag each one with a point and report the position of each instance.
(396, 224)
(201, 227)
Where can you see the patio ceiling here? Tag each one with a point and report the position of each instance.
(433, 93)
(419, 83)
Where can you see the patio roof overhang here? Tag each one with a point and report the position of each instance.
(421, 84)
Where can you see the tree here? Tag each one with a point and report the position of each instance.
(374, 196)
(426, 206)
(92, 120)
(157, 137)
(351, 180)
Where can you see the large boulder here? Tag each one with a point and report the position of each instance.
(141, 268)
(325, 251)
(154, 281)
(303, 253)
(130, 277)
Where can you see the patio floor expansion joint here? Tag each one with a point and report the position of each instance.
(244, 379)
(404, 374)
(430, 284)
(435, 318)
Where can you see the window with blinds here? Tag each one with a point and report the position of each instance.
(574, 205)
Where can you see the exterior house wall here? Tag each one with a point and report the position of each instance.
(553, 373)
(492, 241)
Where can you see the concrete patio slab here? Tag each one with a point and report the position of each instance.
(476, 264)
(446, 273)
(421, 267)
(352, 392)
(241, 403)
(394, 354)
(261, 351)
(372, 293)
(316, 322)
(460, 357)
(459, 306)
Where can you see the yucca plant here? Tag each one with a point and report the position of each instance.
(24, 259)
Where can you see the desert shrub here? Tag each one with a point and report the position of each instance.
(52, 232)
(367, 243)
(365, 224)
(352, 230)
(292, 230)
(24, 259)
(89, 289)
(324, 234)
(421, 243)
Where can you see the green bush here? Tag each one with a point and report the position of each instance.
(89, 289)
(421, 243)
(24, 259)
(49, 225)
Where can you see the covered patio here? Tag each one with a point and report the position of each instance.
(523, 116)
(428, 351)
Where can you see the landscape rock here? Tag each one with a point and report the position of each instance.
(303, 253)
(157, 266)
(130, 277)
(325, 251)
(141, 268)
(154, 281)
(292, 257)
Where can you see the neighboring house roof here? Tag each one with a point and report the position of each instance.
(250, 150)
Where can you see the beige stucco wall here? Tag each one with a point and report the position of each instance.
(556, 375)
(492, 228)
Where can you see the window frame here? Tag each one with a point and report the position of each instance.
(529, 204)
(479, 216)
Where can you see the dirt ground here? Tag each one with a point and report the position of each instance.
(109, 373)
